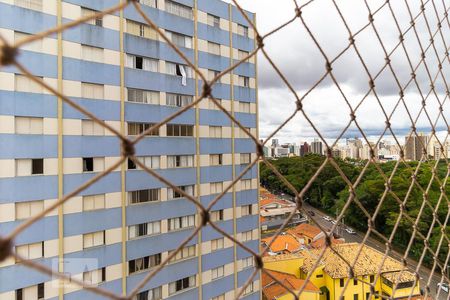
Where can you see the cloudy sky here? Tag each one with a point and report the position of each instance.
(294, 51)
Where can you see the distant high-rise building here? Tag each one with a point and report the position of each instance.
(115, 232)
(317, 147)
(414, 146)
(304, 149)
(275, 143)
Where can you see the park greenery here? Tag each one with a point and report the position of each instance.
(329, 193)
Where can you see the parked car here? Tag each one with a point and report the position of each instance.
(443, 286)
(326, 218)
(311, 213)
(350, 231)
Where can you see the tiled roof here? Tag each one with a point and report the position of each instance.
(305, 230)
(273, 290)
(320, 243)
(368, 262)
(282, 243)
(281, 257)
(399, 277)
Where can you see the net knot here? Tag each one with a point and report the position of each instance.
(5, 248)
(128, 148)
(204, 214)
(7, 54)
(206, 90)
(259, 264)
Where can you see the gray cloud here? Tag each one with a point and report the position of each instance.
(300, 60)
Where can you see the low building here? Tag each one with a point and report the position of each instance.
(331, 275)
(274, 211)
(274, 290)
(281, 244)
(305, 233)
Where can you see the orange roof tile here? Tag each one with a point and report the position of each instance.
(282, 243)
(305, 230)
(273, 289)
(321, 242)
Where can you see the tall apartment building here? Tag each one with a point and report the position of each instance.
(317, 147)
(116, 231)
(415, 145)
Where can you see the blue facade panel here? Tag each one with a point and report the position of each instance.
(141, 213)
(38, 187)
(27, 146)
(218, 287)
(44, 229)
(27, 104)
(28, 277)
(86, 222)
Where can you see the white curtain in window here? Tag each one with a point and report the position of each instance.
(171, 68)
(130, 61)
(183, 74)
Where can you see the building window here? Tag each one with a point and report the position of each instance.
(92, 91)
(216, 215)
(31, 292)
(25, 210)
(179, 9)
(142, 63)
(213, 20)
(142, 196)
(214, 48)
(355, 296)
(242, 133)
(151, 162)
(242, 30)
(215, 131)
(153, 294)
(245, 158)
(217, 244)
(89, 127)
(180, 161)
(341, 282)
(173, 194)
(180, 130)
(247, 236)
(181, 222)
(98, 21)
(186, 252)
(93, 202)
(242, 54)
(243, 81)
(144, 229)
(27, 167)
(93, 164)
(152, 3)
(217, 272)
(142, 96)
(178, 70)
(355, 281)
(246, 210)
(95, 277)
(220, 297)
(30, 251)
(138, 128)
(94, 239)
(91, 53)
(30, 4)
(179, 40)
(244, 107)
(247, 262)
(35, 46)
(215, 159)
(212, 105)
(29, 125)
(24, 84)
(246, 184)
(141, 30)
(372, 278)
(319, 276)
(178, 100)
(144, 263)
(248, 289)
(181, 284)
(216, 187)
(213, 74)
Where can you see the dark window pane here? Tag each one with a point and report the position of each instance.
(37, 166)
(88, 164)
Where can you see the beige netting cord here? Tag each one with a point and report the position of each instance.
(434, 34)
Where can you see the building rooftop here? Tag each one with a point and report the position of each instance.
(399, 277)
(320, 243)
(281, 243)
(305, 229)
(367, 263)
(287, 256)
(273, 290)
